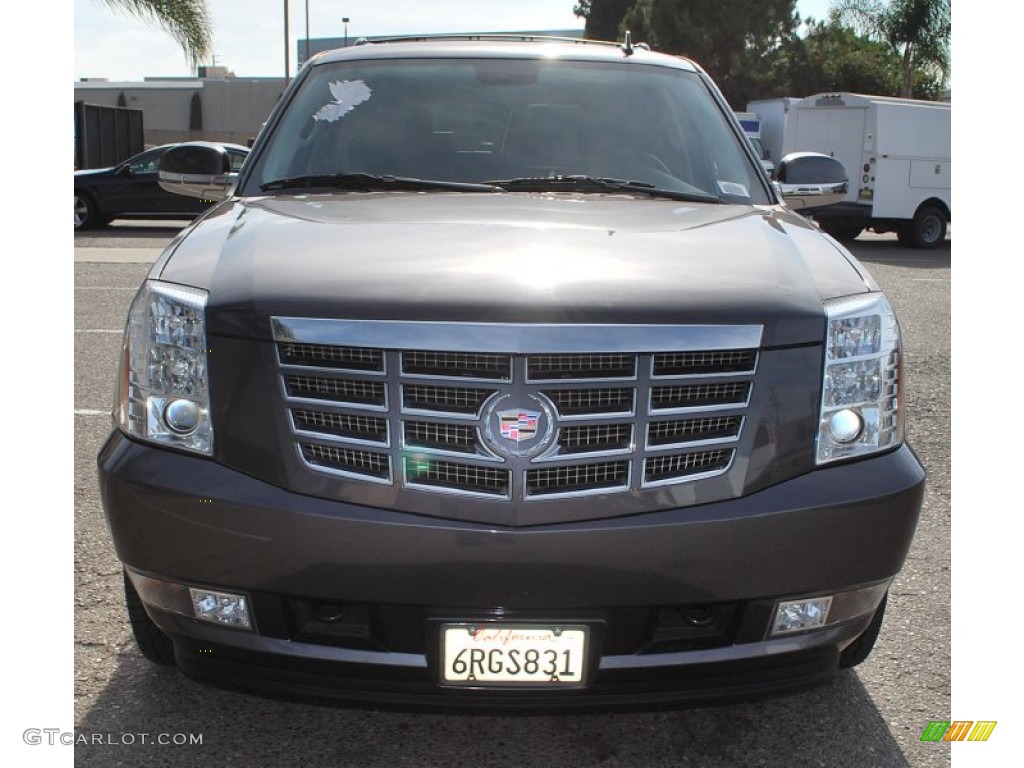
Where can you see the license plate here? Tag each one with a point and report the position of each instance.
(503, 654)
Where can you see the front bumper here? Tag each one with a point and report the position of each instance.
(191, 521)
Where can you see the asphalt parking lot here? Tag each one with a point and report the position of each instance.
(871, 716)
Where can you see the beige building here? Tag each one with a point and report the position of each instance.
(221, 108)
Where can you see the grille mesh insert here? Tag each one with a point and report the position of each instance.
(373, 428)
(691, 363)
(348, 459)
(428, 397)
(338, 390)
(554, 367)
(466, 477)
(665, 398)
(329, 356)
(659, 468)
(448, 437)
(457, 364)
(595, 437)
(685, 430)
(584, 402)
(580, 477)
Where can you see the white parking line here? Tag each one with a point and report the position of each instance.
(91, 412)
(98, 330)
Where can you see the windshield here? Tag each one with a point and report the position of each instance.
(502, 120)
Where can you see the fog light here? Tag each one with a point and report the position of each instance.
(221, 608)
(845, 426)
(182, 416)
(800, 615)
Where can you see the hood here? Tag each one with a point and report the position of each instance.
(514, 257)
(93, 172)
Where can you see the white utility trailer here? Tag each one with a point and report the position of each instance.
(897, 156)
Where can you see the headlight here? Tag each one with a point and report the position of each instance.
(862, 392)
(163, 388)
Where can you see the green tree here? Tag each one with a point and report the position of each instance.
(833, 57)
(737, 41)
(188, 22)
(603, 17)
(918, 31)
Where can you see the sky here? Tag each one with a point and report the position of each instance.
(249, 34)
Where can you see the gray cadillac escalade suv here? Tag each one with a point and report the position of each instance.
(503, 377)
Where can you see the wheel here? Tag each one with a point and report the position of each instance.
(928, 228)
(840, 229)
(85, 212)
(152, 642)
(859, 649)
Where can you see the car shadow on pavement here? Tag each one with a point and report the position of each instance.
(835, 725)
(132, 230)
(879, 251)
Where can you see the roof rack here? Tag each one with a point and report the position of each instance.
(524, 37)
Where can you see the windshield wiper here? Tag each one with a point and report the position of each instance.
(579, 183)
(370, 183)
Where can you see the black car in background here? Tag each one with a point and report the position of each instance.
(130, 190)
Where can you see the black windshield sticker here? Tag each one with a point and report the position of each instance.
(348, 94)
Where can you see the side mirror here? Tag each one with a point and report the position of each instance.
(810, 179)
(197, 169)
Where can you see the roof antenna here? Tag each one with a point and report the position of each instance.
(627, 46)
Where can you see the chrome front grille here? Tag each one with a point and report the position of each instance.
(531, 423)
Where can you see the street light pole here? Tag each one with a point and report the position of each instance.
(345, 19)
(306, 57)
(287, 68)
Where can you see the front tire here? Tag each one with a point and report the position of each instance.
(844, 231)
(85, 211)
(152, 642)
(926, 230)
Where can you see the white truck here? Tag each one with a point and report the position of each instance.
(897, 156)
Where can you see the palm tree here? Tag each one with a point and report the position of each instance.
(188, 22)
(917, 30)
